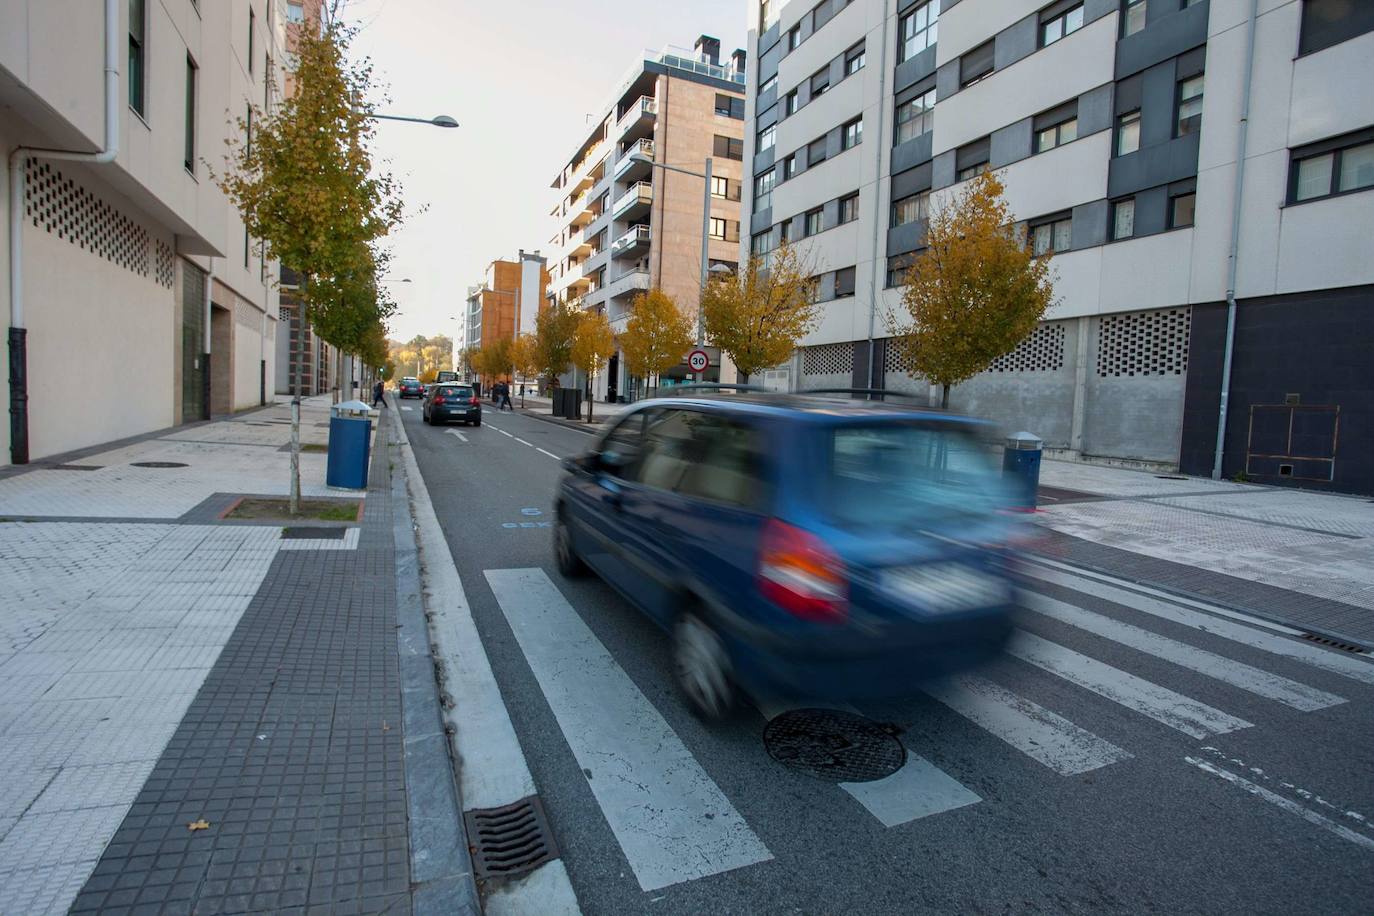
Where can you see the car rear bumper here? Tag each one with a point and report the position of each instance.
(466, 414)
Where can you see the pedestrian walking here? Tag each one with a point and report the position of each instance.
(504, 399)
(379, 394)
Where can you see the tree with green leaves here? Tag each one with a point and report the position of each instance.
(592, 346)
(759, 315)
(554, 328)
(974, 293)
(657, 335)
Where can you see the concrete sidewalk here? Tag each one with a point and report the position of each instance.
(1304, 556)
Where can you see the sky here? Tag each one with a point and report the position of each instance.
(520, 77)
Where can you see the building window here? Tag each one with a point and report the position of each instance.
(1334, 171)
(723, 104)
(1134, 19)
(854, 60)
(766, 138)
(768, 85)
(1057, 128)
(849, 208)
(789, 104)
(910, 209)
(761, 243)
(1189, 106)
(976, 64)
(852, 134)
(190, 151)
(726, 230)
(789, 167)
(1123, 219)
(971, 159)
(295, 11)
(252, 28)
(1181, 209)
(815, 152)
(1059, 24)
(918, 30)
(728, 147)
(899, 265)
(1128, 132)
(138, 24)
(785, 231)
(844, 282)
(763, 189)
(1051, 235)
(246, 241)
(915, 117)
(820, 82)
(1330, 22)
(815, 222)
(720, 187)
(793, 37)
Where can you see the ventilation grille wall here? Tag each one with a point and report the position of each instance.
(828, 359)
(1042, 351)
(1144, 343)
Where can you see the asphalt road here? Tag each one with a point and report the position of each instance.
(1131, 756)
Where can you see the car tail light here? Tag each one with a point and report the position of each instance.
(800, 574)
(438, 400)
(474, 401)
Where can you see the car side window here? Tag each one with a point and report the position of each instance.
(727, 463)
(620, 449)
(668, 447)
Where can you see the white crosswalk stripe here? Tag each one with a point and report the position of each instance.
(671, 819)
(1159, 703)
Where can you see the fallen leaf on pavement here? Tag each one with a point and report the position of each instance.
(198, 825)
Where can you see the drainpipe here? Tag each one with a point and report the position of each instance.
(1235, 243)
(881, 269)
(18, 333)
(205, 357)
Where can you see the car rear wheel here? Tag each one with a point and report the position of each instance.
(702, 667)
(570, 565)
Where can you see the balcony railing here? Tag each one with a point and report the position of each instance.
(641, 192)
(637, 237)
(644, 106)
(641, 148)
(632, 281)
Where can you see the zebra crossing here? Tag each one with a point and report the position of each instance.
(675, 824)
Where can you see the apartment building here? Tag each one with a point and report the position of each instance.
(626, 225)
(126, 264)
(506, 302)
(1122, 130)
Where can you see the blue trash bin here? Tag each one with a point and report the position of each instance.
(350, 441)
(1021, 467)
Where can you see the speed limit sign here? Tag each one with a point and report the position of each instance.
(697, 360)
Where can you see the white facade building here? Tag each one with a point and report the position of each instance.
(1117, 127)
(115, 260)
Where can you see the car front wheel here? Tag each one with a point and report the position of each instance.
(570, 565)
(702, 667)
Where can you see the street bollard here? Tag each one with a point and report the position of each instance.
(1021, 468)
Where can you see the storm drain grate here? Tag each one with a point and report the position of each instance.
(834, 745)
(306, 533)
(74, 467)
(1169, 477)
(158, 464)
(509, 840)
(1336, 644)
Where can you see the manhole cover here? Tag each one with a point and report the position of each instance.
(834, 745)
(159, 464)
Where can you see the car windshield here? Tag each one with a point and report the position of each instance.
(895, 475)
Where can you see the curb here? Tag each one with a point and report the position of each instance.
(441, 873)
(590, 429)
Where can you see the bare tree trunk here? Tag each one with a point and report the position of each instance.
(589, 397)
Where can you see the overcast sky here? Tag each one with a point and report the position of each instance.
(520, 77)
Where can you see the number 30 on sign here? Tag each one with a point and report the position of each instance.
(698, 360)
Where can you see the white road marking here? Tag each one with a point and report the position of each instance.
(503, 432)
(1159, 703)
(919, 789)
(454, 432)
(1237, 674)
(1288, 805)
(404, 407)
(550, 454)
(1351, 666)
(522, 441)
(672, 821)
(1031, 729)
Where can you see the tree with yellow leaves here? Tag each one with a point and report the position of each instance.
(592, 345)
(759, 315)
(974, 293)
(524, 359)
(656, 337)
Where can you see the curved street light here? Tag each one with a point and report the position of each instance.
(436, 121)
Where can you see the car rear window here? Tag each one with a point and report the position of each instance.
(895, 475)
(449, 391)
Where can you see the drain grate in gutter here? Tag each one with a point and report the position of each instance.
(1335, 644)
(509, 840)
(159, 464)
(306, 533)
(74, 467)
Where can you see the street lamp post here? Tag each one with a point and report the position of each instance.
(436, 121)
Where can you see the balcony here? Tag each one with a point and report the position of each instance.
(635, 202)
(629, 283)
(638, 120)
(631, 243)
(631, 165)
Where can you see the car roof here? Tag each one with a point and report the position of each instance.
(816, 408)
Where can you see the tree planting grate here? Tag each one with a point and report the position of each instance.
(306, 533)
(159, 464)
(834, 745)
(1336, 644)
(509, 840)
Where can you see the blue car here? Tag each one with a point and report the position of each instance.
(797, 545)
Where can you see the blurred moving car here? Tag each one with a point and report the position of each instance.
(797, 545)
(447, 403)
(410, 387)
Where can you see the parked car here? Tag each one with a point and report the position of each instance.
(447, 403)
(410, 387)
(797, 545)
